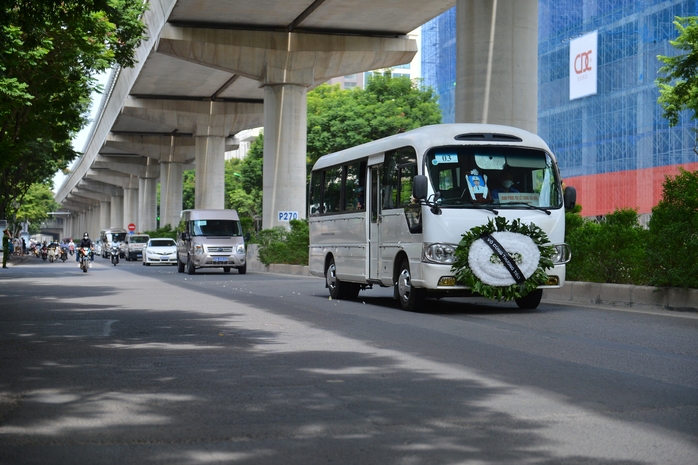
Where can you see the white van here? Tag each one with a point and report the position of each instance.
(133, 246)
(109, 236)
(211, 239)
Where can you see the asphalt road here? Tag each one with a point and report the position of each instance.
(143, 365)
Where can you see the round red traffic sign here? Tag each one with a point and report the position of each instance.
(131, 227)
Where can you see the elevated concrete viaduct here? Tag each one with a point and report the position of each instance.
(212, 68)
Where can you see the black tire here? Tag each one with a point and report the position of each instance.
(242, 269)
(226, 269)
(180, 266)
(338, 289)
(190, 266)
(531, 300)
(410, 298)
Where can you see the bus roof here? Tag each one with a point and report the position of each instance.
(438, 135)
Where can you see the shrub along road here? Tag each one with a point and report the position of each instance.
(134, 364)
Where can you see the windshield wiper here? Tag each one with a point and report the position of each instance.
(484, 207)
(529, 206)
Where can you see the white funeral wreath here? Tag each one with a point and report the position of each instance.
(481, 269)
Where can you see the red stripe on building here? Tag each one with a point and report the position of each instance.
(601, 194)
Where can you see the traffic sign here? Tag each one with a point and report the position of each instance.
(131, 227)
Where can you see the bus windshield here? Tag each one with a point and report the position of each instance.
(509, 177)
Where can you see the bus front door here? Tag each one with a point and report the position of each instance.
(374, 224)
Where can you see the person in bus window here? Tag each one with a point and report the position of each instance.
(506, 185)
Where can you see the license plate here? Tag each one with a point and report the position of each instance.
(220, 259)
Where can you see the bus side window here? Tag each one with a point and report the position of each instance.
(314, 196)
(333, 187)
(354, 191)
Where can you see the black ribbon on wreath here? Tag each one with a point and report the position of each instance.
(508, 262)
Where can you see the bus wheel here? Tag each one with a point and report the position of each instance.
(410, 298)
(336, 287)
(530, 301)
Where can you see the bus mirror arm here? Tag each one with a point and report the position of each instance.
(419, 191)
(432, 202)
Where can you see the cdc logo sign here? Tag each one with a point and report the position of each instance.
(583, 75)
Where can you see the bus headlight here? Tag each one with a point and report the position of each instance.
(563, 254)
(198, 249)
(443, 254)
(240, 249)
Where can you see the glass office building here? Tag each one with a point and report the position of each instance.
(613, 145)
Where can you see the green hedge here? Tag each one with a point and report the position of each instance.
(280, 245)
(610, 251)
(672, 250)
(619, 250)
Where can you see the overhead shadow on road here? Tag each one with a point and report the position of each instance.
(171, 380)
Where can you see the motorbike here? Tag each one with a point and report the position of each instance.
(84, 255)
(52, 254)
(44, 253)
(64, 255)
(114, 254)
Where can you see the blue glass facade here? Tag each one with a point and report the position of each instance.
(621, 127)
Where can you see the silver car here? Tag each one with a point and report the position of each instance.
(160, 251)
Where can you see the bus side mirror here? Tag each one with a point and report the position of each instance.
(570, 197)
(420, 187)
(185, 236)
(247, 237)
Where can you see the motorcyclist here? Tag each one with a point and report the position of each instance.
(85, 242)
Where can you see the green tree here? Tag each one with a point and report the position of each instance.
(50, 51)
(35, 206)
(339, 119)
(188, 189)
(673, 243)
(678, 87)
(245, 196)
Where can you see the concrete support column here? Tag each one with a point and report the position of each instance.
(210, 175)
(117, 213)
(147, 204)
(285, 137)
(104, 215)
(497, 62)
(81, 225)
(95, 224)
(131, 207)
(170, 193)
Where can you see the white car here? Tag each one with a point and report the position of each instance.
(160, 251)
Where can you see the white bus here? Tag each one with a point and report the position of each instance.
(392, 212)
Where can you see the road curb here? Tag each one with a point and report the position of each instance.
(624, 295)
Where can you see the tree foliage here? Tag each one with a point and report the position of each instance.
(50, 51)
(339, 119)
(245, 191)
(35, 207)
(280, 245)
(678, 87)
(672, 248)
